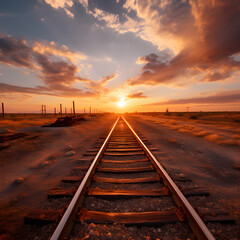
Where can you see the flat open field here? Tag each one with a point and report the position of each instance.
(204, 148)
(17, 121)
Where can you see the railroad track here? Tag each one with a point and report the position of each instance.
(124, 169)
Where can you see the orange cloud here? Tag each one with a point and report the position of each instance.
(65, 4)
(58, 77)
(106, 79)
(221, 97)
(53, 48)
(100, 85)
(136, 95)
(210, 38)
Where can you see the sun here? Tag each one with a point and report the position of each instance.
(121, 103)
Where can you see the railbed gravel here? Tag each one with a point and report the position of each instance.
(92, 231)
(67, 185)
(56, 203)
(129, 205)
(224, 231)
(76, 172)
(33, 232)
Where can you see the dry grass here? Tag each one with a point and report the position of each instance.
(13, 122)
(220, 118)
(207, 125)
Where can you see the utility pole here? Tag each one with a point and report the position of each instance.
(3, 110)
(45, 110)
(42, 110)
(90, 110)
(61, 110)
(73, 108)
(65, 110)
(55, 111)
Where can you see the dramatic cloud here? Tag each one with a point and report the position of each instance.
(65, 4)
(100, 85)
(58, 76)
(221, 97)
(152, 59)
(199, 37)
(164, 23)
(84, 3)
(208, 36)
(52, 48)
(136, 95)
(113, 21)
(58, 72)
(185, 41)
(201, 34)
(59, 91)
(107, 79)
(15, 52)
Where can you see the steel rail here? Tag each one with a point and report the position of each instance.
(65, 225)
(198, 226)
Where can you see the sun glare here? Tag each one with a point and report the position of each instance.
(121, 103)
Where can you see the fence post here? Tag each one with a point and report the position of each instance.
(73, 108)
(3, 110)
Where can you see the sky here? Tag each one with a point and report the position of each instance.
(120, 55)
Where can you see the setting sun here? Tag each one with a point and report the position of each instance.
(121, 103)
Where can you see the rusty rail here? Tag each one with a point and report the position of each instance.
(65, 225)
(67, 221)
(199, 228)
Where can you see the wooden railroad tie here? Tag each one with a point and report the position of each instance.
(127, 180)
(124, 161)
(126, 170)
(42, 216)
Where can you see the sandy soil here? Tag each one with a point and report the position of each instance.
(196, 149)
(41, 162)
(209, 163)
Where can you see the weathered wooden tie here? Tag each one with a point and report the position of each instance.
(124, 153)
(121, 193)
(127, 180)
(133, 218)
(61, 193)
(126, 170)
(124, 161)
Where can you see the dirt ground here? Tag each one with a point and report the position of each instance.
(206, 151)
(41, 162)
(211, 164)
